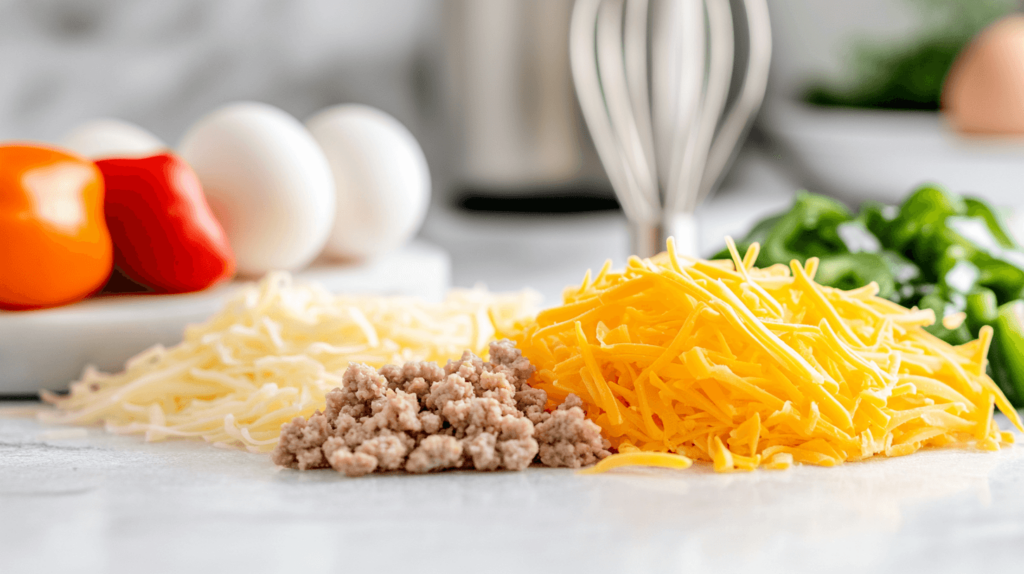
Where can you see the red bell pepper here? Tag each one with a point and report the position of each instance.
(165, 236)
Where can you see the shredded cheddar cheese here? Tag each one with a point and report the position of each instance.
(658, 459)
(743, 367)
(272, 354)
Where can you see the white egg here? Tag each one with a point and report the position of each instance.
(267, 182)
(381, 177)
(107, 137)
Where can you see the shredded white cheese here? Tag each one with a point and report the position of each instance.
(271, 355)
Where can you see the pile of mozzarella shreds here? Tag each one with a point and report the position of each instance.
(421, 418)
(745, 367)
(272, 354)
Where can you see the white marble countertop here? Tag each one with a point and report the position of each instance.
(80, 500)
(86, 501)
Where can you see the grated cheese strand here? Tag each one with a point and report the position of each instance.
(272, 354)
(745, 368)
(636, 458)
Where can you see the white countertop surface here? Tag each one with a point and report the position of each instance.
(87, 501)
(80, 500)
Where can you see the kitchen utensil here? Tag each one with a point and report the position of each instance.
(665, 148)
(511, 111)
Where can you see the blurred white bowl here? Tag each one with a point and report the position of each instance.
(883, 154)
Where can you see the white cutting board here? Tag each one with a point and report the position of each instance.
(47, 349)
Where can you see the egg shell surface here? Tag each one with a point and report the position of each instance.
(267, 182)
(105, 138)
(984, 91)
(381, 178)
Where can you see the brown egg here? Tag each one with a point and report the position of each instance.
(984, 91)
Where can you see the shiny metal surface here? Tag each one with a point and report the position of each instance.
(665, 151)
(511, 108)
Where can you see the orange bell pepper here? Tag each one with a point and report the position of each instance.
(54, 243)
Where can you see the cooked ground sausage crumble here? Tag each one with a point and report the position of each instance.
(419, 418)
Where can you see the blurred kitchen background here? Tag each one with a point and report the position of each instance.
(486, 88)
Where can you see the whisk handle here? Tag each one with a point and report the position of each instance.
(648, 239)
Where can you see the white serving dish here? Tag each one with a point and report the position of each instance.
(883, 154)
(48, 348)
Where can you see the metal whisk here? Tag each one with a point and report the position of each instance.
(655, 102)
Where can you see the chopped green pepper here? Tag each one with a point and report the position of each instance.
(982, 309)
(976, 208)
(937, 251)
(877, 217)
(852, 270)
(939, 303)
(923, 213)
(809, 229)
(1007, 353)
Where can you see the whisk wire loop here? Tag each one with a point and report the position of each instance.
(662, 125)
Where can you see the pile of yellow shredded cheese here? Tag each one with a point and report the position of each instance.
(744, 367)
(272, 354)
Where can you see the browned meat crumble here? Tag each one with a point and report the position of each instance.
(420, 418)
